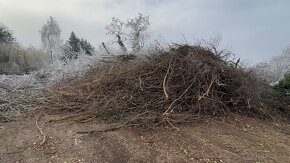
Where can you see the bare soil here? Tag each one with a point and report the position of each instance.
(242, 140)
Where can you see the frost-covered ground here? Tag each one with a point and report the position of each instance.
(50, 74)
(17, 91)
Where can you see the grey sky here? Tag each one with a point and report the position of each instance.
(254, 29)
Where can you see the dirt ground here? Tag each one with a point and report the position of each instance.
(244, 140)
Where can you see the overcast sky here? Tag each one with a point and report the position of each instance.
(255, 30)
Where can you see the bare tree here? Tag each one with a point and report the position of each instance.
(50, 35)
(138, 27)
(275, 69)
(133, 30)
(263, 71)
(214, 45)
(116, 28)
(280, 65)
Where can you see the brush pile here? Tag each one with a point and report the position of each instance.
(178, 85)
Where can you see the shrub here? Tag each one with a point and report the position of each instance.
(17, 60)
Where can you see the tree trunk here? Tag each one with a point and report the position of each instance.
(120, 42)
(51, 56)
(105, 47)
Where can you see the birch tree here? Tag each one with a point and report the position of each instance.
(138, 26)
(51, 36)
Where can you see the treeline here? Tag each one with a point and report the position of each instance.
(15, 59)
(129, 35)
(276, 71)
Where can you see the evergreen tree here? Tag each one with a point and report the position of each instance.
(284, 85)
(74, 42)
(74, 46)
(6, 36)
(86, 47)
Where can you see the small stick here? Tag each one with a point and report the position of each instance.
(164, 83)
(207, 91)
(140, 83)
(176, 128)
(40, 130)
(111, 69)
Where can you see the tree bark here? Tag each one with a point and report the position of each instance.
(121, 44)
